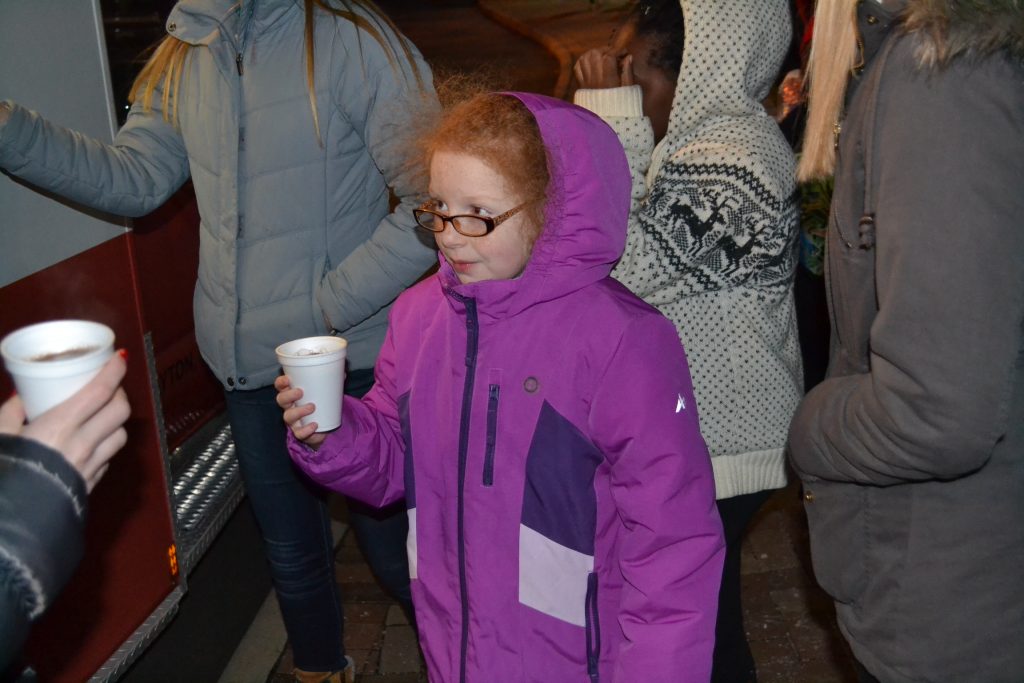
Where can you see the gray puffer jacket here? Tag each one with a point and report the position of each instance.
(296, 237)
(912, 450)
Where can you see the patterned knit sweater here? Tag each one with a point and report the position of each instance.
(713, 229)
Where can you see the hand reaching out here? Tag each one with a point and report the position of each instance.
(603, 68)
(293, 414)
(87, 429)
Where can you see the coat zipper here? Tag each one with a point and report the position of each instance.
(593, 628)
(492, 433)
(472, 337)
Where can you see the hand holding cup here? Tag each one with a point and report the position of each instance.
(87, 429)
(287, 397)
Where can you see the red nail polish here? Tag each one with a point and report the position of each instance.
(124, 354)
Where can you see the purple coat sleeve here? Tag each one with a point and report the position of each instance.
(365, 457)
(644, 418)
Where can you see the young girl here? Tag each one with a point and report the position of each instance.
(538, 419)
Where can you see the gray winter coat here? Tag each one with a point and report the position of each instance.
(294, 236)
(912, 451)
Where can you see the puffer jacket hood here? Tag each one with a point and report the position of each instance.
(198, 22)
(585, 223)
(975, 28)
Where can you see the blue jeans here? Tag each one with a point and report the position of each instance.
(293, 519)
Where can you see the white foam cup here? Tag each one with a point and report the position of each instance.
(51, 361)
(317, 366)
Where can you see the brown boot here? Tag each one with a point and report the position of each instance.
(346, 675)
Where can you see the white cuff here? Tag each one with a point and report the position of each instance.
(625, 101)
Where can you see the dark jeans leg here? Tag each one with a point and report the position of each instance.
(381, 533)
(732, 661)
(296, 530)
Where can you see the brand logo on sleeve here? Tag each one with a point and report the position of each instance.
(680, 404)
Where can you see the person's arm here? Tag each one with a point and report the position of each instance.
(622, 109)
(607, 88)
(947, 339)
(382, 100)
(145, 164)
(672, 550)
(47, 468)
(365, 457)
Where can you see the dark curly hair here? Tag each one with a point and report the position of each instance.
(662, 21)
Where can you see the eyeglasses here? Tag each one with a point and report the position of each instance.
(464, 224)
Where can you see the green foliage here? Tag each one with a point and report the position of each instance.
(815, 203)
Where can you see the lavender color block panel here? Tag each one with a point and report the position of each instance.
(410, 544)
(559, 500)
(553, 578)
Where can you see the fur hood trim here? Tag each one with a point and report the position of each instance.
(969, 28)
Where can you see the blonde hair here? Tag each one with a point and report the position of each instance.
(835, 50)
(167, 64)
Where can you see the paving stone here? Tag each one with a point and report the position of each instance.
(396, 616)
(285, 663)
(776, 660)
(363, 636)
(353, 572)
(367, 612)
(401, 651)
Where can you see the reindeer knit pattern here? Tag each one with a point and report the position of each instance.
(713, 228)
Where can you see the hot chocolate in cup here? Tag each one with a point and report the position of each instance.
(51, 361)
(317, 366)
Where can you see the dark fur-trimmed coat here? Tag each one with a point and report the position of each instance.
(912, 450)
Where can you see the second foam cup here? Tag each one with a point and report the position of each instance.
(317, 366)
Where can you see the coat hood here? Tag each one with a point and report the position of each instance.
(974, 28)
(585, 220)
(197, 21)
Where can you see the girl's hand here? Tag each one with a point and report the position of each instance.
(603, 68)
(293, 414)
(87, 429)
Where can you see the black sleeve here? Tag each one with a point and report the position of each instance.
(42, 514)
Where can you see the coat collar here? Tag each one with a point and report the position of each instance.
(199, 22)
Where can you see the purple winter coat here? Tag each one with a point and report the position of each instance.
(544, 434)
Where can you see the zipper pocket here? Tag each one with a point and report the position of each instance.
(492, 433)
(593, 627)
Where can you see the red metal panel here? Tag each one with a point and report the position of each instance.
(125, 573)
(166, 251)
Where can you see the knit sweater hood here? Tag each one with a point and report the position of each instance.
(730, 60)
